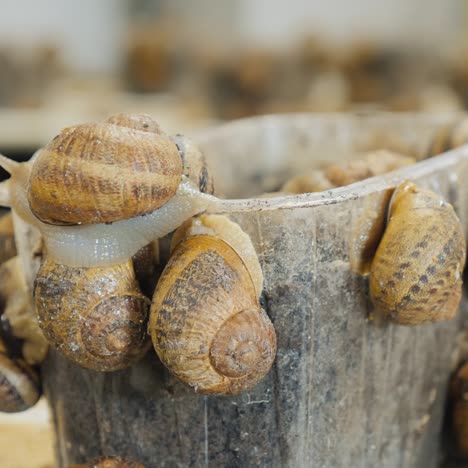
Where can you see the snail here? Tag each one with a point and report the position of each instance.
(20, 386)
(109, 462)
(95, 316)
(448, 137)
(114, 221)
(372, 164)
(7, 239)
(415, 275)
(206, 322)
(18, 320)
(459, 410)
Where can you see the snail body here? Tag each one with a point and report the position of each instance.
(415, 275)
(206, 322)
(20, 385)
(95, 316)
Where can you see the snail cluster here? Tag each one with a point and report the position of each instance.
(415, 273)
(98, 194)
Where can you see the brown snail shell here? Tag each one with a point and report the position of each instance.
(20, 386)
(448, 137)
(97, 317)
(104, 172)
(415, 275)
(459, 410)
(206, 322)
(108, 462)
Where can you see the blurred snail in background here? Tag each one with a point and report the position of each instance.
(206, 322)
(20, 386)
(108, 462)
(416, 273)
(448, 137)
(347, 172)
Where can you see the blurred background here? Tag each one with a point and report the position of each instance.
(194, 64)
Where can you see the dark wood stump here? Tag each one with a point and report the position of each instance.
(344, 391)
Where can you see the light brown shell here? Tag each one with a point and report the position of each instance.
(108, 462)
(20, 386)
(104, 172)
(448, 137)
(416, 273)
(97, 317)
(206, 323)
(459, 410)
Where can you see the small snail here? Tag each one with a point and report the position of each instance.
(7, 238)
(95, 316)
(206, 322)
(20, 385)
(415, 275)
(459, 410)
(448, 137)
(109, 462)
(338, 175)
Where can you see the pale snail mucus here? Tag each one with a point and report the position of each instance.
(206, 322)
(416, 273)
(20, 386)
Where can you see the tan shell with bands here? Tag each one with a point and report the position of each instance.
(416, 272)
(104, 172)
(206, 322)
(97, 317)
(20, 386)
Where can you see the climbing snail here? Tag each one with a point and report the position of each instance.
(109, 462)
(206, 322)
(415, 275)
(95, 316)
(98, 193)
(19, 383)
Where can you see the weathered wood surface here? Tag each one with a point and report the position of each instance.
(344, 391)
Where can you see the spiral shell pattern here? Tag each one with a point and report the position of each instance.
(206, 322)
(97, 317)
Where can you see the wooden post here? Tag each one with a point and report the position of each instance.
(344, 390)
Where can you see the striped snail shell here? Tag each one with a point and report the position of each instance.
(206, 322)
(97, 317)
(104, 172)
(20, 386)
(415, 275)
